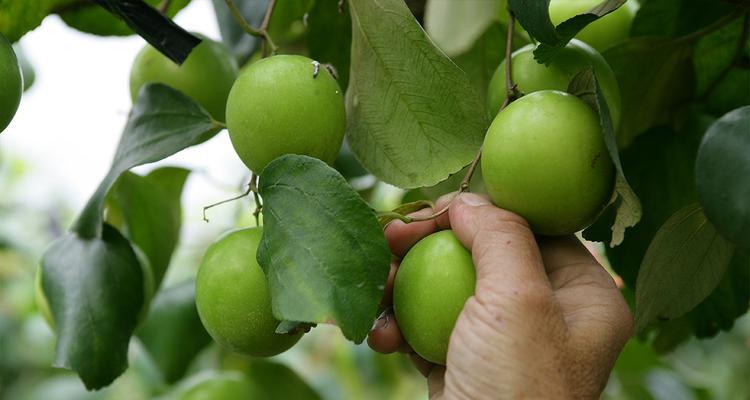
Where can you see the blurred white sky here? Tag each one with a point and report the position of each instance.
(69, 122)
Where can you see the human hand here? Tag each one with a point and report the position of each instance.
(545, 321)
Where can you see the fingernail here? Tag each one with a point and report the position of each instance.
(473, 200)
(381, 322)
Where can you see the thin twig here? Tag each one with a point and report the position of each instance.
(264, 28)
(738, 53)
(510, 88)
(510, 95)
(267, 17)
(263, 31)
(247, 192)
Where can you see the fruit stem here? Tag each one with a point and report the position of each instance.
(261, 32)
(510, 89)
(250, 187)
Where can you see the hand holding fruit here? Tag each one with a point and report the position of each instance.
(545, 321)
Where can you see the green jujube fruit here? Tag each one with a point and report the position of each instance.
(433, 282)
(206, 76)
(278, 106)
(602, 33)
(11, 83)
(233, 299)
(530, 76)
(544, 158)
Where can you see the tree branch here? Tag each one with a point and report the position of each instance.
(262, 32)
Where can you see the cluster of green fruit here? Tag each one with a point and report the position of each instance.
(544, 158)
(11, 83)
(279, 105)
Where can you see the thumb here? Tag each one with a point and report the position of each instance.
(502, 245)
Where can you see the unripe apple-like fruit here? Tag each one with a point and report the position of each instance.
(530, 76)
(544, 158)
(602, 33)
(206, 76)
(233, 299)
(278, 106)
(11, 83)
(432, 284)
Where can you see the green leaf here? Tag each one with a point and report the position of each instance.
(347, 164)
(163, 121)
(237, 40)
(403, 210)
(654, 74)
(660, 167)
(727, 302)
(722, 68)
(455, 26)
(19, 17)
(90, 18)
(721, 175)
(676, 17)
(718, 312)
(413, 116)
(95, 292)
(481, 60)
(173, 333)
(323, 251)
(534, 17)
(683, 265)
(329, 37)
(151, 213)
(624, 201)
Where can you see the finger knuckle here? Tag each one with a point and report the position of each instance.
(499, 220)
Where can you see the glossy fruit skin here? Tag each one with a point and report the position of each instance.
(603, 33)
(544, 158)
(277, 107)
(233, 299)
(11, 83)
(433, 282)
(530, 76)
(206, 76)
